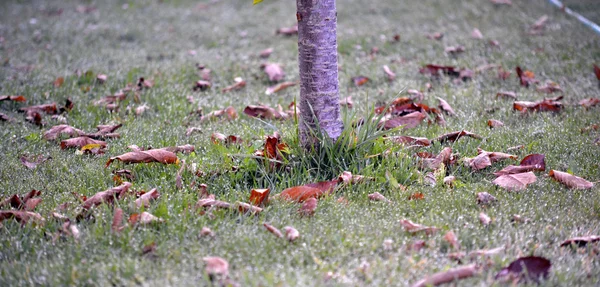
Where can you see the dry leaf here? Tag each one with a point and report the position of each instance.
(117, 220)
(376, 196)
(303, 192)
(346, 102)
(444, 106)
(153, 155)
(454, 49)
(525, 268)
(435, 36)
(291, 233)
(407, 121)
(273, 230)
(453, 136)
(59, 130)
(411, 141)
(449, 180)
(388, 73)
(246, 208)
(484, 198)
(259, 197)
(444, 157)
(308, 207)
(201, 85)
(265, 53)
(526, 78)
(435, 70)
(586, 103)
(228, 112)
(476, 34)
(580, 241)
(58, 82)
(101, 78)
(570, 180)
(448, 276)
(145, 218)
(504, 94)
(515, 182)
(484, 219)
(21, 216)
(412, 227)
(145, 199)
(13, 98)
(206, 232)
(32, 162)
(106, 196)
(416, 196)
(451, 238)
(265, 112)
(531, 162)
(360, 80)
(80, 142)
(549, 87)
(239, 84)
(480, 162)
(279, 87)
(216, 266)
(274, 71)
(546, 105)
(288, 31)
(348, 178)
(212, 202)
(494, 123)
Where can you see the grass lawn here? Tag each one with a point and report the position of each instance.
(360, 243)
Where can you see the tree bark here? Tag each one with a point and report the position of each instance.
(317, 58)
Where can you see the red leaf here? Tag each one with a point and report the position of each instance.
(597, 72)
(360, 80)
(515, 182)
(153, 155)
(530, 267)
(106, 196)
(448, 276)
(259, 197)
(570, 180)
(273, 230)
(13, 98)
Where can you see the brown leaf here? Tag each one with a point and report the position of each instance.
(346, 102)
(448, 276)
(412, 227)
(201, 85)
(273, 230)
(246, 208)
(32, 162)
(21, 216)
(451, 238)
(186, 148)
(435, 70)
(570, 180)
(597, 72)
(376, 196)
(416, 196)
(549, 87)
(145, 199)
(279, 87)
(212, 202)
(288, 31)
(291, 233)
(515, 182)
(239, 84)
(388, 73)
(59, 130)
(444, 106)
(407, 121)
(206, 232)
(360, 80)
(117, 220)
(444, 157)
(480, 162)
(525, 268)
(348, 178)
(153, 155)
(274, 71)
(58, 82)
(453, 136)
(106, 196)
(496, 156)
(228, 112)
(105, 131)
(532, 162)
(265, 53)
(580, 241)
(145, 218)
(21, 99)
(484, 198)
(504, 94)
(308, 207)
(6, 118)
(494, 123)
(454, 49)
(265, 112)
(49, 109)
(412, 141)
(449, 180)
(435, 36)
(587, 103)
(101, 78)
(526, 78)
(80, 142)
(484, 219)
(304, 192)
(259, 197)
(216, 266)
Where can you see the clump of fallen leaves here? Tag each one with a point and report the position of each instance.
(273, 151)
(532, 162)
(26, 202)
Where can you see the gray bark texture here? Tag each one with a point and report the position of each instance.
(317, 57)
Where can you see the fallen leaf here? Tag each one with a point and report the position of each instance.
(451, 238)
(597, 72)
(570, 180)
(145, 199)
(448, 276)
(526, 78)
(480, 162)
(265, 53)
(415, 245)
(153, 155)
(187, 148)
(346, 102)
(228, 112)
(201, 85)
(435, 70)
(580, 241)
(274, 71)
(49, 109)
(33, 161)
(101, 78)
(453, 136)
(58, 82)
(80, 142)
(145, 218)
(407, 121)
(445, 107)
(435, 36)
(348, 178)
(6, 118)
(549, 87)
(587, 103)
(239, 84)
(117, 220)
(21, 99)
(484, 198)
(304, 192)
(494, 123)
(59, 130)
(484, 219)
(279, 87)
(308, 207)
(216, 266)
(105, 131)
(273, 230)
(212, 202)
(503, 74)
(454, 49)
(388, 73)
(376, 196)
(360, 80)
(476, 34)
(106, 196)
(504, 94)
(265, 112)
(246, 208)
(416, 196)
(206, 232)
(515, 182)
(411, 141)
(524, 268)
(449, 180)
(291, 233)
(259, 197)
(288, 31)
(444, 157)
(21, 216)
(412, 227)
(532, 162)
(496, 156)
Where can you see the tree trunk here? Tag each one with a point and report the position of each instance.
(317, 58)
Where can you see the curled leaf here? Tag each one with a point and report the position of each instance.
(273, 230)
(448, 276)
(412, 227)
(145, 199)
(580, 241)
(525, 268)
(453, 136)
(274, 71)
(246, 208)
(21, 216)
(216, 266)
(80, 142)
(291, 233)
(279, 87)
(388, 72)
(153, 155)
(484, 198)
(570, 180)
(304, 192)
(13, 98)
(106, 196)
(515, 182)
(495, 123)
(238, 85)
(376, 196)
(484, 219)
(413, 141)
(229, 113)
(259, 197)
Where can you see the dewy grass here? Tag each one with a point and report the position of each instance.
(341, 244)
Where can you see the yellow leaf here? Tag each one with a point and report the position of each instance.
(90, 147)
(256, 2)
